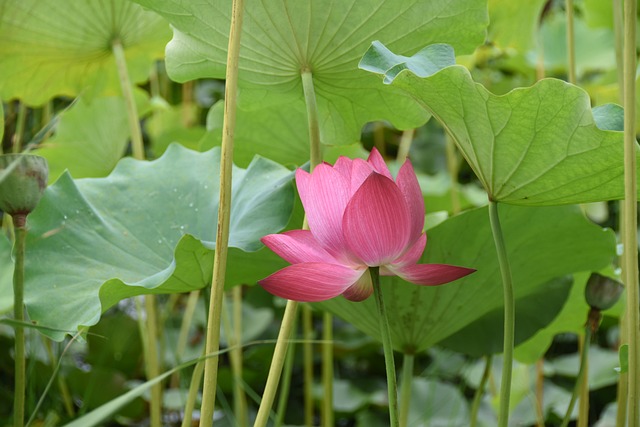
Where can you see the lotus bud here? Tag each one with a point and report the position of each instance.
(23, 178)
(602, 292)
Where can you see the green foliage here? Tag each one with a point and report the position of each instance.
(532, 146)
(48, 50)
(147, 228)
(90, 139)
(282, 39)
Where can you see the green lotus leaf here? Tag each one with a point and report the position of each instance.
(47, 50)
(274, 133)
(514, 25)
(542, 243)
(149, 227)
(281, 39)
(90, 139)
(533, 146)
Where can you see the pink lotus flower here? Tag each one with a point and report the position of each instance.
(359, 217)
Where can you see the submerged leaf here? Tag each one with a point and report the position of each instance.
(149, 227)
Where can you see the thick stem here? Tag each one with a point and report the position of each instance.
(239, 397)
(327, 370)
(152, 361)
(18, 313)
(630, 237)
(194, 387)
(453, 166)
(387, 346)
(315, 148)
(509, 314)
(283, 396)
(183, 336)
(224, 210)
(288, 318)
(18, 136)
(477, 397)
(571, 45)
(584, 357)
(270, 388)
(405, 145)
(307, 355)
(583, 411)
(137, 146)
(540, 392)
(405, 388)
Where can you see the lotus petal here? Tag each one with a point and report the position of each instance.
(311, 281)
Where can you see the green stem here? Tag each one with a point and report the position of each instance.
(571, 45)
(405, 144)
(273, 378)
(234, 340)
(327, 370)
(283, 396)
(584, 357)
(453, 165)
(405, 388)
(623, 381)
(67, 400)
(18, 136)
(630, 236)
(19, 222)
(152, 362)
(540, 392)
(288, 319)
(477, 397)
(583, 409)
(618, 30)
(224, 210)
(183, 336)
(315, 148)
(137, 146)
(387, 346)
(194, 387)
(378, 137)
(509, 314)
(307, 355)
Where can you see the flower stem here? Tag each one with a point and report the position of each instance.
(630, 237)
(327, 370)
(277, 361)
(584, 357)
(18, 313)
(307, 354)
(224, 210)
(283, 396)
(477, 398)
(571, 45)
(288, 318)
(152, 362)
(509, 314)
(387, 346)
(405, 388)
(137, 146)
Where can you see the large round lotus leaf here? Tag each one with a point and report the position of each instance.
(540, 145)
(542, 243)
(149, 227)
(49, 49)
(282, 38)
